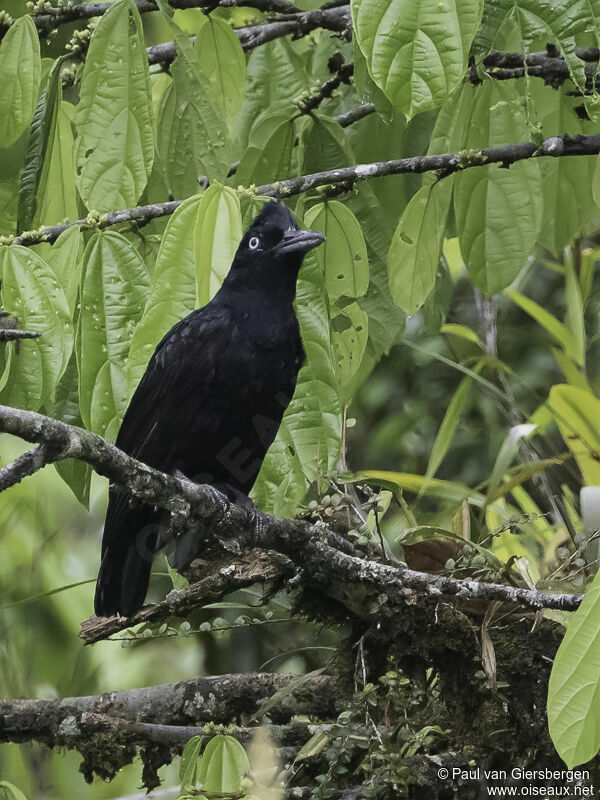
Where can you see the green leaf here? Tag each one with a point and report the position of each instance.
(275, 73)
(20, 74)
(268, 156)
(216, 238)
(574, 317)
(415, 249)
(309, 439)
(114, 290)
(115, 139)
(57, 198)
(189, 764)
(36, 159)
(63, 257)
(7, 790)
(195, 254)
(498, 211)
(223, 62)
(173, 293)
(344, 253)
(419, 484)
(506, 454)
(462, 331)
(193, 139)
(566, 189)
(30, 292)
(447, 429)
(349, 337)
(577, 412)
(544, 318)
(574, 687)
(223, 766)
(416, 52)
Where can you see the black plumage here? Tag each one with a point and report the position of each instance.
(211, 400)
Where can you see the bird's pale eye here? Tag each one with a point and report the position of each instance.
(254, 243)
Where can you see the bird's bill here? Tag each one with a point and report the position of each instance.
(300, 241)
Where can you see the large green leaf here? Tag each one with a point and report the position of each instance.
(566, 188)
(498, 211)
(65, 407)
(193, 139)
(195, 254)
(346, 268)
(64, 258)
(216, 238)
(115, 139)
(20, 74)
(36, 160)
(173, 293)
(344, 253)
(577, 412)
(30, 291)
(416, 246)
(223, 766)
(416, 52)
(308, 442)
(275, 73)
(574, 687)
(223, 61)
(114, 290)
(325, 146)
(270, 148)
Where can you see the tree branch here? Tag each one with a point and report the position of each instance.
(50, 18)
(26, 464)
(250, 568)
(221, 699)
(445, 164)
(12, 334)
(328, 562)
(251, 36)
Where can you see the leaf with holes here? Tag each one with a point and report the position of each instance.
(416, 246)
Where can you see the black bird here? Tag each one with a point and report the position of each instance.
(211, 400)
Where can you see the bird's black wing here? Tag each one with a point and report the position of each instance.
(179, 379)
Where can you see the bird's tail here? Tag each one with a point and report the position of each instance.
(126, 562)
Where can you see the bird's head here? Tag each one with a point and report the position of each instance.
(272, 249)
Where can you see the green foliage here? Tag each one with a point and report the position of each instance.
(399, 39)
(471, 425)
(114, 289)
(220, 770)
(31, 291)
(573, 690)
(20, 73)
(115, 142)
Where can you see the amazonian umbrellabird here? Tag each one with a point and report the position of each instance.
(212, 397)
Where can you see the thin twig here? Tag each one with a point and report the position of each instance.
(27, 464)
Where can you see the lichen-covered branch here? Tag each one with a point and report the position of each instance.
(251, 568)
(444, 164)
(366, 589)
(222, 699)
